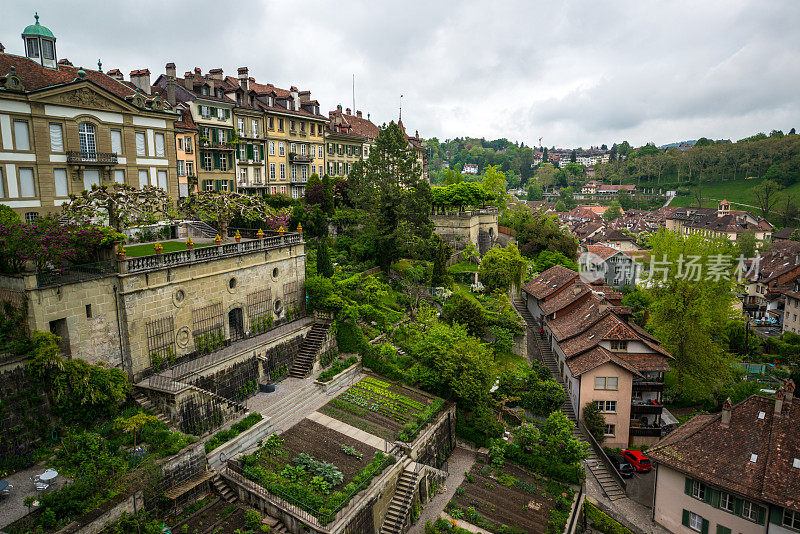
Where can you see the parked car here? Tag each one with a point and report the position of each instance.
(623, 467)
(639, 461)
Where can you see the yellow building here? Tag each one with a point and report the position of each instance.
(65, 129)
(348, 139)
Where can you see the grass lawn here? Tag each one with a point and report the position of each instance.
(464, 267)
(135, 251)
(509, 360)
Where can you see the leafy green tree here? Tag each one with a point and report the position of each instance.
(327, 195)
(221, 207)
(639, 302)
(614, 211)
(688, 312)
(740, 341)
(766, 195)
(462, 308)
(560, 207)
(442, 251)
(746, 242)
(547, 258)
(324, 264)
(120, 205)
(502, 268)
(538, 231)
(535, 192)
(134, 423)
(595, 421)
(566, 196)
(8, 216)
(494, 183)
(555, 440)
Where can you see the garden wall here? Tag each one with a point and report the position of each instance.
(240, 443)
(23, 417)
(435, 443)
(94, 521)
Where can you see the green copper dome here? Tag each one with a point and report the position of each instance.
(37, 30)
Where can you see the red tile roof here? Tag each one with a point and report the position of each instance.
(603, 251)
(550, 281)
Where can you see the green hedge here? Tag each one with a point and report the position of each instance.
(337, 367)
(601, 521)
(226, 435)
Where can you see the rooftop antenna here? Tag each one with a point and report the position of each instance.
(401, 107)
(540, 142)
(354, 93)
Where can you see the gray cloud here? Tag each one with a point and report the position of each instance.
(576, 72)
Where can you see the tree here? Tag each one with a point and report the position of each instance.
(464, 309)
(119, 205)
(538, 231)
(547, 258)
(327, 195)
(573, 156)
(535, 192)
(442, 251)
(746, 242)
(546, 175)
(494, 184)
(134, 423)
(8, 216)
(595, 421)
(221, 207)
(766, 195)
(614, 211)
(788, 210)
(560, 207)
(688, 311)
(554, 441)
(566, 196)
(324, 265)
(502, 268)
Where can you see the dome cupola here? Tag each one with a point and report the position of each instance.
(40, 44)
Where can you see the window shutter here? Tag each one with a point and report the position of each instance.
(685, 520)
(776, 515)
(227, 114)
(249, 151)
(714, 497)
(688, 486)
(723, 530)
(212, 110)
(205, 184)
(761, 514)
(704, 528)
(709, 495)
(737, 506)
(230, 185)
(230, 161)
(217, 185)
(216, 160)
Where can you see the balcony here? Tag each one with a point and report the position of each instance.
(297, 158)
(648, 385)
(647, 431)
(646, 408)
(92, 158)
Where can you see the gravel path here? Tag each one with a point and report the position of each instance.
(459, 462)
(11, 506)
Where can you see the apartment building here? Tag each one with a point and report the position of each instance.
(737, 471)
(720, 222)
(65, 129)
(348, 138)
(186, 152)
(602, 355)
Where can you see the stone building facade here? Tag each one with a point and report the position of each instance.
(458, 228)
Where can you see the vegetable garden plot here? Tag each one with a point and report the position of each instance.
(384, 408)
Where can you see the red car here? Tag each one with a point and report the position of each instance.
(639, 461)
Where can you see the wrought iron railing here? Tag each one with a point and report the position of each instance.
(101, 158)
(75, 273)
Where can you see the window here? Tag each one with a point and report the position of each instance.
(116, 141)
(181, 168)
(330, 148)
(143, 179)
(791, 519)
(189, 168)
(60, 179)
(302, 126)
(87, 140)
(160, 145)
(602, 382)
(91, 178)
(21, 135)
(313, 169)
(242, 151)
(256, 153)
(221, 136)
(320, 152)
(33, 47)
(610, 430)
(272, 171)
(208, 161)
(47, 49)
(272, 148)
(220, 114)
(283, 190)
(618, 345)
(2, 185)
(180, 143)
(294, 173)
(330, 167)
(271, 123)
(223, 185)
(293, 148)
(695, 522)
(273, 190)
(295, 193)
(209, 185)
(302, 150)
(204, 111)
(119, 176)
(283, 171)
(140, 144)
(291, 126)
(240, 125)
(304, 173)
(698, 490)
(254, 127)
(26, 187)
(726, 502)
(187, 145)
(607, 406)
(257, 175)
(281, 149)
(243, 176)
(223, 162)
(751, 511)
(56, 138)
(31, 216)
(280, 125)
(88, 311)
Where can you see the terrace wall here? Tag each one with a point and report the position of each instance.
(467, 225)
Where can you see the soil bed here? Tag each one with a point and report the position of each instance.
(207, 517)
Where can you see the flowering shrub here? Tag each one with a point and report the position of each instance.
(48, 244)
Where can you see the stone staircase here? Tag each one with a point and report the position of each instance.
(594, 463)
(304, 360)
(401, 502)
(295, 406)
(223, 489)
(145, 403)
(204, 228)
(234, 406)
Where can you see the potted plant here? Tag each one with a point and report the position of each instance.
(300, 227)
(120, 252)
(218, 239)
(281, 230)
(158, 247)
(260, 233)
(189, 244)
(238, 236)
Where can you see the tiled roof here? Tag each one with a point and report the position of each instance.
(784, 233)
(602, 251)
(578, 318)
(720, 455)
(358, 125)
(187, 121)
(577, 291)
(549, 281)
(595, 357)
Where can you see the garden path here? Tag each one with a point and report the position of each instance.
(351, 431)
(459, 462)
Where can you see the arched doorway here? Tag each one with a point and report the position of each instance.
(236, 324)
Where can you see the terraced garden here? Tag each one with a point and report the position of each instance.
(509, 499)
(385, 409)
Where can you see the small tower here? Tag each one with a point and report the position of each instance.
(724, 208)
(40, 44)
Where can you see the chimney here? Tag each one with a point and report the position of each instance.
(789, 395)
(726, 413)
(141, 79)
(171, 84)
(244, 79)
(779, 401)
(295, 98)
(215, 74)
(339, 108)
(2, 49)
(367, 116)
(116, 74)
(358, 114)
(347, 111)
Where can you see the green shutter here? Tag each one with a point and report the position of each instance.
(715, 495)
(230, 161)
(213, 110)
(709, 494)
(776, 515)
(737, 506)
(216, 160)
(761, 514)
(227, 114)
(205, 184)
(704, 528)
(231, 185)
(688, 486)
(229, 135)
(723, 530)
(213, 136)
(685, 520)
(249, 151)
(217, 185)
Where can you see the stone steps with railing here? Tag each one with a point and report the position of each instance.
(401, 502)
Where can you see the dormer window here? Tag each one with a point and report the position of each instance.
(204, 90)
(48, 51)
(619, 345)
(33, 47)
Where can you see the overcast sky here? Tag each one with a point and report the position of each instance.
(575, 72)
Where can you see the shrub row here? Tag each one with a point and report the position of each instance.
(224, 436)
(337, 367)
